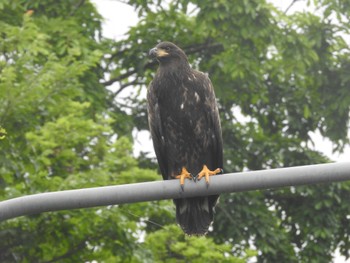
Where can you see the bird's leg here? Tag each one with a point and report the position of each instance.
(206, 173)
(184, 174)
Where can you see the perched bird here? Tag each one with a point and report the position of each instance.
(186, 132)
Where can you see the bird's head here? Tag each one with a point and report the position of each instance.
(166, 52)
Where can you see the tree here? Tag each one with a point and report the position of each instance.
(65, 127)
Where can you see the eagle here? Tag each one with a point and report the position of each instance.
(185, 128)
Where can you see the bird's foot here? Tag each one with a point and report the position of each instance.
(206, 173)
(184, 174)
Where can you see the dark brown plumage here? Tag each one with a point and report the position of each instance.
(185, 128)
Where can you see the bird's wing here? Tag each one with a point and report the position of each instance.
(156, 129)
(216, 144)
(213, 118)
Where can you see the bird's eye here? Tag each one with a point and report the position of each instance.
(167, 48)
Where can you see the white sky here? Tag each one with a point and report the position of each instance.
(120, 17)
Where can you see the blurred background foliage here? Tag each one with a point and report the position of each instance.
(65, 123)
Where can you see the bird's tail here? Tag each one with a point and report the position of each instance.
(195, 214)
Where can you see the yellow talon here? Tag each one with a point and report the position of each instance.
(184, 174)
(206, 173)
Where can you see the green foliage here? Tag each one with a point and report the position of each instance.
(170, 245)
(2, 133)
(278, 77)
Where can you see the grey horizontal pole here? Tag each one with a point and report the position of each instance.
(159, 190)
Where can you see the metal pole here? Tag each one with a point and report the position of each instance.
(149, 191)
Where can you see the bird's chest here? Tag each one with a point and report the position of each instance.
(179, 103)
(182, 114)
